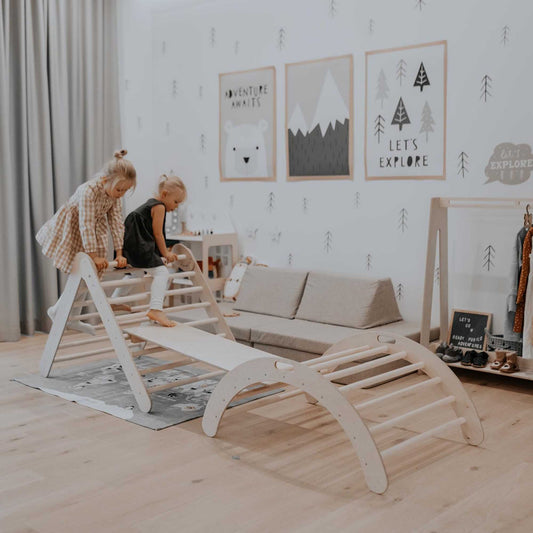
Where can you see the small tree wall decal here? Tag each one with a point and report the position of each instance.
(275, 237)
(328, 241)
(212, 37)
(379, 127)
(282, 35)
(174, 88)
(402, 221)
(231, 201)
(290, 260)
(357, 200)
(427, 121)
(371, 26)
(400, 115)
(270, 202)
(401, 70)
(400, 291)
(332, 8)
(382, 91)
(236, 47)
(206, 182)
(436, 275)
(203, 143)
(462, 165)
(486, 87)
(420, 4)
(200, 91)
(421, 79)
(506, 35)
(369, 261)
(305, 205)
(488, 257)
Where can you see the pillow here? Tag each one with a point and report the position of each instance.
(271, 291)
(350, 301)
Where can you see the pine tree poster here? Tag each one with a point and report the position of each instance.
(248, 125)
(319, 118)
(405, 112)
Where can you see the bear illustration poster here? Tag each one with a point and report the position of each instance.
(405, 112)
(319, 118)
(248, 125)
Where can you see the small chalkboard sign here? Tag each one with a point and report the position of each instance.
(467, 329)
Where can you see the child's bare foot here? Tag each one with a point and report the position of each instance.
(160, 318)
(121, 307)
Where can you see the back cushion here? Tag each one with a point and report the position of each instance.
(271, 291)
(350, 301)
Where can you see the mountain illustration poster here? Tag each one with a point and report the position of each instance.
(248, 125)
(319, 118)
(405, 112)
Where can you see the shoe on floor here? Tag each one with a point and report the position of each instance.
(452, 355)
(480, 359)
(468, 357)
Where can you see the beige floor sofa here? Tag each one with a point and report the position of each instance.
(299, 314)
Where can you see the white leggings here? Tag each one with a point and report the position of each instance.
(160, 275)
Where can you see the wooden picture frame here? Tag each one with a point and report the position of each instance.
(370, 174)
(257, 115)
(289, 111)
(477, 313)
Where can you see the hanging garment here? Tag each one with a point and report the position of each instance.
(514, 277)
(522, 285)
(527, 343)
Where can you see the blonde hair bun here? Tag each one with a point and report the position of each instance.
(172, 183)
(119, 154)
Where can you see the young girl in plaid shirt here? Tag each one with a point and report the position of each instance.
(82, 223)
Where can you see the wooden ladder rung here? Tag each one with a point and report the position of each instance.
(137, 281)
(374, 401)
(331, 356)
(352, 357)
(374, 380)
(82, 342)
(422, 436)
(86, 354)
(365, 366)
(405, 416)
(160, 368)
(186, 381)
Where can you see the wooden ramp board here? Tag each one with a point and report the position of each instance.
(206, 347)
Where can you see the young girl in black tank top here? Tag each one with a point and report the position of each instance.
(145, 246)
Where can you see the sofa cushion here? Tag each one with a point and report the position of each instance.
(349, 301)
(271, 291)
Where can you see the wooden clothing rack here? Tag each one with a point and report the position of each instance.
(438, 227)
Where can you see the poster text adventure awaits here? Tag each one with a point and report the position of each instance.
(246, 97)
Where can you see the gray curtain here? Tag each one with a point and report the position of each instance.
(59, 122)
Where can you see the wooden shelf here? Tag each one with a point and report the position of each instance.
(487, 370)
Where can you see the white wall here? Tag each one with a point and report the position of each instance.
(166, 41)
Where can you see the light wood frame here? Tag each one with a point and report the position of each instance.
(350, 136)
(125, 345)
(438, 230)
(445, 89)
(274, 126)
(489, 323)
(314, 379)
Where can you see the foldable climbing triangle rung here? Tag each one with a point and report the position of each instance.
(361, 352)
(109, 327)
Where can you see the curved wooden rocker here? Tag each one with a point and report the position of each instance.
(361, 352)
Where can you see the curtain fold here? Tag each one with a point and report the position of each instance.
(59, 122)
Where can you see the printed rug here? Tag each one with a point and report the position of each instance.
(103, 386)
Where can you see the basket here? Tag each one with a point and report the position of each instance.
(497, 342)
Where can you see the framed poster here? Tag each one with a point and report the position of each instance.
(405, 112)
(468, 329)
(319, 119)
(247, 146)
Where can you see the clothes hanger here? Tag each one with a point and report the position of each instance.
(528, 218)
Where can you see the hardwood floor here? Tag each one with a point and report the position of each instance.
(274, 466)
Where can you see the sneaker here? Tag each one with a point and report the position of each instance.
(468, 357)
(480, 359)
(441, 349)
(452, 355)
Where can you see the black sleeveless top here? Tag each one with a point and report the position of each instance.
(140, 248)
